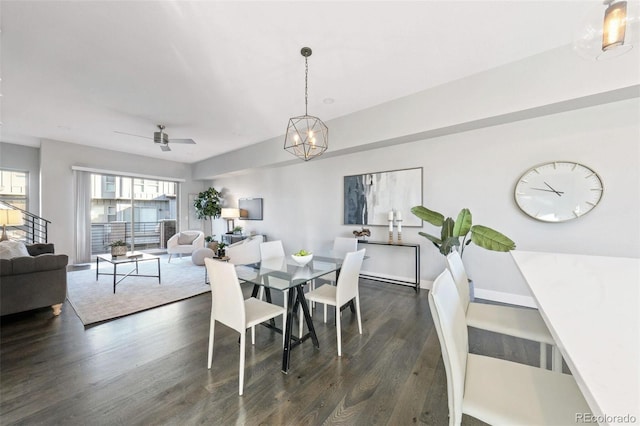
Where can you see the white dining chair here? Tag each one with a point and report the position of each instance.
(229, 307)
(268, 251)
(341, 246)
(342, 293)
(512, 321)
(493, 390)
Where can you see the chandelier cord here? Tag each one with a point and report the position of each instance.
(306, 77)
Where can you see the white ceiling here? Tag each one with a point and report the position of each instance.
(230, 74)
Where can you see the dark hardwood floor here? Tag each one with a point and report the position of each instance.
(150, 368)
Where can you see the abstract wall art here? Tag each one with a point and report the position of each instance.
(369, 197)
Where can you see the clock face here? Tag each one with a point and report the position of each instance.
(558, 191)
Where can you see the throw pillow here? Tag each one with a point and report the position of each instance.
(10, 249)
(185, 239)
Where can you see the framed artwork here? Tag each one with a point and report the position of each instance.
(368, 198)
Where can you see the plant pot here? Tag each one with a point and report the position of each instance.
(118, 250)
(221, 252)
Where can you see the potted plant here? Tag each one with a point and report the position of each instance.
(451, 231)
(211, 243)
(118, 248)
(207, 204)
(221, 250)
(237, 230)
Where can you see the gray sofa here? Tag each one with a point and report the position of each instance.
(35, 281)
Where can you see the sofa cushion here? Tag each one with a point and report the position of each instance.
(10, 249)
(6, 267)
(50, 262)
(39, 248)
(186, 238)
(23, 265)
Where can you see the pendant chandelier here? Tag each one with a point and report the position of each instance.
(608, 30)
(307, 136)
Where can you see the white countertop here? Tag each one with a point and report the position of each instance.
(591, 305)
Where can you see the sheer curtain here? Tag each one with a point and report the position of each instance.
(83, 216)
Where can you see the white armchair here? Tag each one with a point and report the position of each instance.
(185, 242)
(245, 252)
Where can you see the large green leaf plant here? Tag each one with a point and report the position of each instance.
(208, 204)
(462, 227)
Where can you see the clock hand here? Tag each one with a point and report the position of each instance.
(548, 190)
(559, 193)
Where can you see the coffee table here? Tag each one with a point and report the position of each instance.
(130, 257)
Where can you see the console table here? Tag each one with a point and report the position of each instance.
(416, 251)
(229, 239)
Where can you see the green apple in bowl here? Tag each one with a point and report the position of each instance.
(302, 257)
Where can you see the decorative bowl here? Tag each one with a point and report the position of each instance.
(302, 260)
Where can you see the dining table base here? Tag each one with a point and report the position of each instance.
(295, 300)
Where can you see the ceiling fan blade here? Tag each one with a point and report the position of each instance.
(131, 134)
(191, 141)
(165, 147)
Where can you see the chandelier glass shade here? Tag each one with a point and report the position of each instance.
(608, 30)
(307, 136)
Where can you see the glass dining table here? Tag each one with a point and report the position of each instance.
(282, 274)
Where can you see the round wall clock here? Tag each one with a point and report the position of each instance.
(558, 191)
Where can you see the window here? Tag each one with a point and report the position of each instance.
(131, 209)
(14, 188)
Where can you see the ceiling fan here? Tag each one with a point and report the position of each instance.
(161, 138)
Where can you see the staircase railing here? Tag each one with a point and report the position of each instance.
(34, 229)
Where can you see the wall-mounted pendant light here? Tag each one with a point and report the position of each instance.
(307, 136)
(615, 23)
(609, 29)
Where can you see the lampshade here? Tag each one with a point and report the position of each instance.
(229, 213)
(615, 23)
(10, 217)
(608, 31)
(307, 136)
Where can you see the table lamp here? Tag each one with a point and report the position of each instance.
(230, 214)
(9, 217)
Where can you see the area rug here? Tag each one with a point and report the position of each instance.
(94, 301)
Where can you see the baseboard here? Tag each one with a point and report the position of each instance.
(393, 278)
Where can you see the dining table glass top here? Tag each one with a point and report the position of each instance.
(283, 273)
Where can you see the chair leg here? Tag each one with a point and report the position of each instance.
(325, 312)
(543, 355)
(338, 330)
(253, 335)
(211, 330)
(261, 293)
(241, 372)
(300, 322)
(169, 261)
(358, 314)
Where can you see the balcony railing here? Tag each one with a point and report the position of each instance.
(145, 235)
(33, 229)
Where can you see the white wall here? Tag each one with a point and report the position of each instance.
(57, 187)
(476, 169)
(550, 82)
